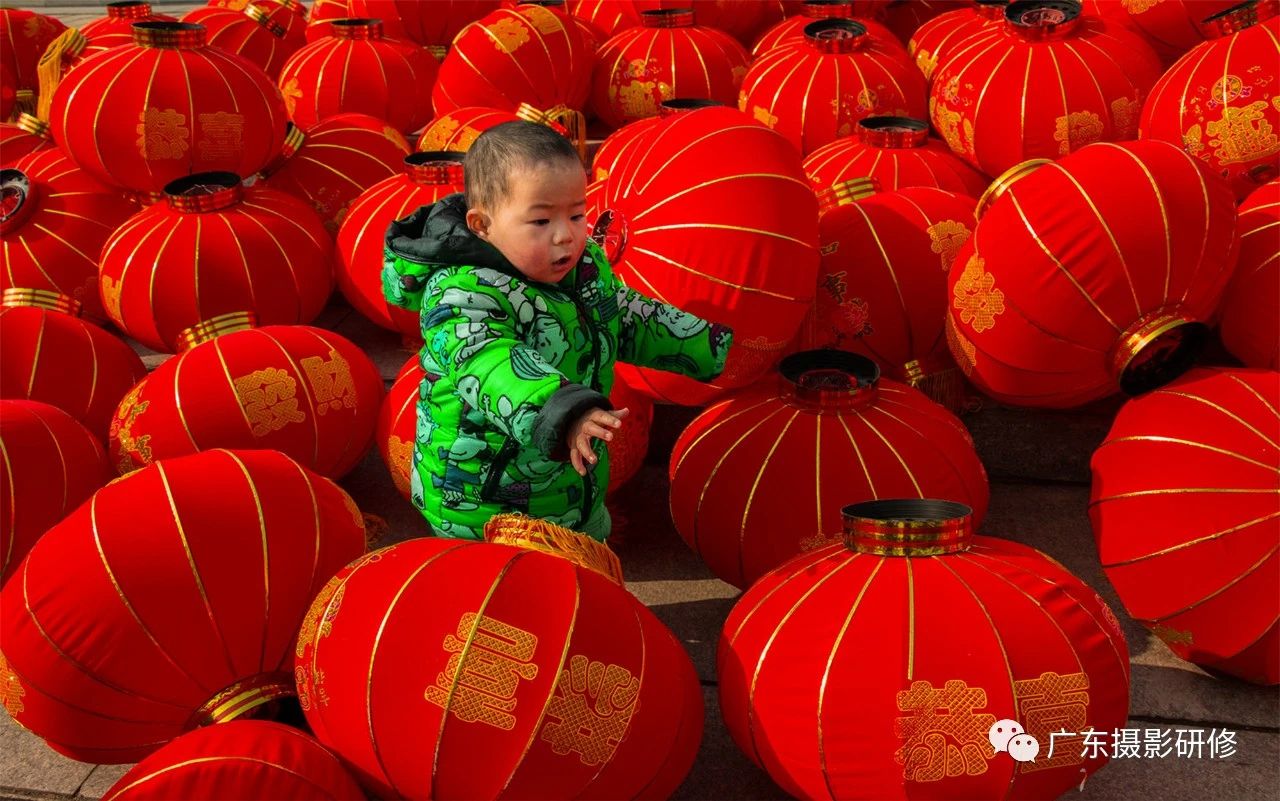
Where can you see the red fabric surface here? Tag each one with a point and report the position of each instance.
(792, 28)
(107, 32)
(1251, 307)
(433, 23)
(457, 129)
(949, 33)
(25, 36)
(268, 42)
(398, 425)
(1169, 26)
(929, 164)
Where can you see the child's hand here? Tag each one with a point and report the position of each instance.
(595, 423)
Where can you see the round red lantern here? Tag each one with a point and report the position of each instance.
(55, 221)
(8, 93)
(266, 32)
(49, 354)
(511, 56)
(630, 443)
(1085, 276)
(1172, 27)
(995, 108)
(51, 463)
(131, 124)
(427, 177)
(610, 151)
(904, 17)
(432, 25)
(240, 759)
(398, 424)
(323, 13)
(687, 238)
(458, 129)
(1250, 309)
(888, 666)
(334, 161)
(607, 17)
(116, 28)
(741, 468)
(385, 78)
(170, 600)
(815, 90)
(895, 152)
(1184, 514)
(954, 32)
(792, 28)
(1219, 100)
(641, 67)
(25, 36)
(216, 247)
(306, 392)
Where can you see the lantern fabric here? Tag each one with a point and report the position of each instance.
(641, 67)
(51, 463)
(131, 124)
(171, 599)
(398, 425)
(1251, 307)
(792, 28)
(215, 247)
(266, 32)
(26, 134)
(116, 28)
(687, 239)
(382, 77)
(56, 220)
(426, 178)
(323, 13)
(1217, 104)
(1091, 274)
(432, 25)
(1185, 516)
(607, 17)
(878, 667)
(596, 699)
(905, 17)
(609, 152)
(335, 161)
(956, 31)
(895, 152)
(243, 759)
(50, 355)
(1171, 27)
(630, 443)
(458, 129)
(8, 94)
(826, 428)
(1100, 73)
(816, 89)
(25, 35)
(306, 392)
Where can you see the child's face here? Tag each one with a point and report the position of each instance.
(541, 225)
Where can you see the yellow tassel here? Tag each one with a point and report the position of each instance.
(66, 47)
(945, 387)
(535, 534)
(572, 121)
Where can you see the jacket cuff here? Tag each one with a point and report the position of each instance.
(567, 404)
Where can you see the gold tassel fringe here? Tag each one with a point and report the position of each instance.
(536, 534)
(66, 47)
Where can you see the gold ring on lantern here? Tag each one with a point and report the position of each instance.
(1237, 18)
(941, 383)
(170, 35)
(434, 167)
(262, 16)
(33, 125)
(1159, 347)
(828, 379)
(571, 123)
(293, 139)
(215, 327)
(907, 527)
(243, 697)
(535, 534)
(204, 191)
(45, 299)
(845, 193)
(1005, 180)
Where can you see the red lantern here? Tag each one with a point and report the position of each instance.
(48, 354)
(639, 68)
(792, 28)
(215, 248)
(432, 25)
(1250, 310)
(427, 177)
(1219, 100)
(994, 107)
(8, 94)
(240, 759)
(385, 78)
(631, 442)
(1184, 513)
(512, 56)
(170, 600)
(323, 13)
(896, 152)
(904, 17)
(26, 35)
(607, 17)
(130, 124)
(880, 667)
(1170, 26)
(335, 161)
(398, 425)
(458, 129)
(306, 392)
(687, 238)
(740, 469)
(815, 90)
(51, 463)
(116, 28)
(957, 31)
(266, 32)
(609, 153)
(532, 672)
(56, 219)
(1086, 277)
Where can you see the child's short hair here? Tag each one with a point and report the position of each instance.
(504, 148)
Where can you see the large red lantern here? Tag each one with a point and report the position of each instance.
(630, 444)
(792, 28)
(26, 134)
(8, 93)
(398, 425)
(25, 36)
(1091, 275)
(306, 392)
(266, 32)
(427, 177)
(955, 32)
(385, 78)
(459, 129)
(323, 13)
(1184, 513)
(55, 221)
(905, 17)
(610, 151)
(639, 68)
(240, 759)
(1251, 307)
(1172, 27)
(131, 124)
(889, 665)
(828, 429)
(815, 90)
(1219, 101)
(335, 161)
(607, 17)
(542, 679)
(216, 247)
(432, 25)
(170, 600)
(687, 238)
(896, 152)
(49, 354)
(116, 28)
(1100, 74)
(51, 463)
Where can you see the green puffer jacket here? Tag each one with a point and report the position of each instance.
(510, 363)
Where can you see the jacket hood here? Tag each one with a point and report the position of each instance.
(438, 234)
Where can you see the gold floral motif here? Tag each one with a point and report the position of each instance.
(400, 454)
(483, 687)
(466, 138)
(349, 503)
(269, 398)
(944, 735)
(868, 100)
(948, 123)
(1075, 130)
(1227, 88)
(842, 316)
(820, 540)
(1109, 616)
(962, 350)
(437, 136)
(543, 20)
(946, 238)
(222, 135)
(1193, 140)
(1139, 6)
(926, 62)
(765, 116)
(1124, 117)
(1053, 703)
(162, 134)
(36, 26)
(592, 730)
(11, 690)
(122, 431)
(1243, 134)
(639, 99)
(318, 621)
(1172, 637)
(292, 93)
(749, 357)
(111, 296)
(331, 382)
(509, 34)
(976, 296)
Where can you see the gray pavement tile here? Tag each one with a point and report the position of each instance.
(29, 764)
(102, 779)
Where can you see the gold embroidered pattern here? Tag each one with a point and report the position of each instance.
(162, 134)
(438, 135)
(819, 540)
(122, 431)
(319, 620)
(592, 730)
(310, 683)
(1243, 134)
(750, 357)
(484, 686)
(765, 116)
(1139, 6)
(400, 453)
(269, 399)
(948, 123)
(509, 34)
(946, 238)
(976, 296)
(1053, 703)
(1171, 636)
(330, 381)
(111, 296)
(11, 690)
(349, 504)
(292, 94)
(543, 20)
(1124, 118)
(222, 135)
(944, 736)
(962, 350)
(927, 62)
(1075, 130)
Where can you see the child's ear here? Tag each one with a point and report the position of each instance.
(478, 222)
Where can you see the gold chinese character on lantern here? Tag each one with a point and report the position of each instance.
(961, 348)
(1075, 130)
(330, 381)
(545, 21)
(122, 431)
(400, 453)
(944, 736)
(11, 691)
(946, 238)
(1124, 117)
(438, 135)
(488, 660)
(162, 134)
(1243, 134)
(590, 710)
(292, 93)
(508, 34)
(976, 296)
(269, 399)
(221, 135)
(1054, 703)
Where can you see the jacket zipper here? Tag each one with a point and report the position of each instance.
(497, 469)
(588, 481)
